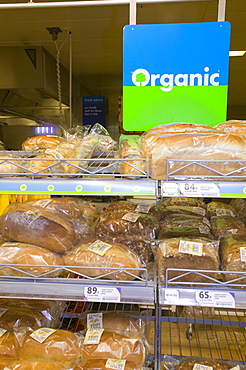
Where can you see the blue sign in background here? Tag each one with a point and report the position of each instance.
(94, 110)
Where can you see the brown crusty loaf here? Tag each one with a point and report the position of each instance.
(215, 364)
(15, 253)
(184, 210)
(116, 346)
(118, 256)
(197, 147)
(9, 346)
(34, 225)
(61, 346)
(231, 258)
(41, 142)
(169, 255)
(225, 225)
(239, 204)
(217, 208)
(114, 225)
(101, 365)
(181, 201)
(36, 365)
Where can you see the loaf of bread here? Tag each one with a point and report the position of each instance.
(239, 205)
(215, 364)
(37, 258)
(134, 163)
(217, 208)
(141, 246)
(195, 147)
(41, 142)
(10, 164)
(50, 345)
(45, 163)
(233, 256)
(19, 318)
(120, 224)
(181, 201)
(128, 207)
(104, 365)
(121, 207)
(187, 253)
(5, 361)
(105, 256)
(36, 365)
(225, 225)
(150, 137)
(128, 325)
(34, 225)
(235, 127)
(9, 346)
(184, 226)
(113, 345)
(184, 211)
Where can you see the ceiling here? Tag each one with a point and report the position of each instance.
(96, 34)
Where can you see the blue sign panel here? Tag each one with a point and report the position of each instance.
(94, 110)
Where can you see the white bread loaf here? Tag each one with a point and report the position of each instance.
(197, 147)
(116, 346)
(41, 142)
(118, 256)
(61, 346)
(15, 253)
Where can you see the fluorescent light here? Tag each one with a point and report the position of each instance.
(237, 53)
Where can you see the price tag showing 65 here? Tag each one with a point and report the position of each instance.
(215, 298)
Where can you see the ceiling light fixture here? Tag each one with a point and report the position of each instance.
(237, 53)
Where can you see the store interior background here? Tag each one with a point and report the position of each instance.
(92, 36)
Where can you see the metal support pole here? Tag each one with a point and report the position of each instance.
(221, 10)
(133, 12)
(70, 81)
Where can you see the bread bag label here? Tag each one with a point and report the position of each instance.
(143, 208)
(190, 247)
(224, 212)
(30, 216)
(40, 335)
(203, 230)
(2, 332)
(243, 254)
(94, 320)
(115, 364)
(93, 336)
(132, 217)
(206, 221)
(202, 367)
(199, 210)
(99, 247)
(2, 311)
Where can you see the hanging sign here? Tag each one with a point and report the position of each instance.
(175, 73)
(94, 110)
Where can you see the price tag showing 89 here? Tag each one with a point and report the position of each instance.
(92, 293)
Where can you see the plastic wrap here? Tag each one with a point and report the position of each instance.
(130, 224)
(184, 211)
(187, 253)
(41, 142)
(182, 201)
(37, 365)
(225, 225)
(132, 325)
(121, 207)
(10, 164)
(239, 204)
(218, 208)
(233, 255)
(45, 163)
(185, 226)
(131, 152)
(104, 365)
(206, 147)
(89, 212)
(106, 143)
(193, 363)
(34, 225)
(48, 344)
(112, 345)
(9, 346)
(103, 255)
(235, 127)
(17, 253)
(21, 318)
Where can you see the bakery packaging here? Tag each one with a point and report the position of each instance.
(41, 142)
(225, 225)
(36, 365)
(34, 225)
(217, 208)
(104, 365)
(187, 253)
(100, 258)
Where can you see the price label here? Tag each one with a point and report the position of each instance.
(197, 189)
(98, 294)
(171, 295)
(170, 189)
(207, 298)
